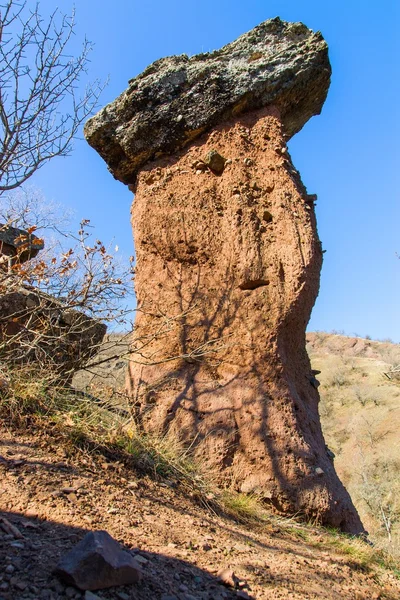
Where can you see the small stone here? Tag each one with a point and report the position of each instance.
(227, 577)
(18, 545)
(319, 471)
(215, 162)
(123, 596)
(70, 592)
(9, 569)
(98, 562)
(58, 587)
(90, 596)
(141, 559)
(21, 585)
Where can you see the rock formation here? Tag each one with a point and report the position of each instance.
(34, 326)
(228, 261)
(37, 328)
(17, 245)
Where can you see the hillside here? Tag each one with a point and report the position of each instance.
(54, 492)
(360, 414)
(69, 465)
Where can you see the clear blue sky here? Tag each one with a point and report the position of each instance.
(349, 155)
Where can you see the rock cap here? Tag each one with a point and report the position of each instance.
(178, 98)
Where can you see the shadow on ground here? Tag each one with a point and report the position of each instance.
(26, 566)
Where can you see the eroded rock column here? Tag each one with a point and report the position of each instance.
(227, 274)
(228, 262)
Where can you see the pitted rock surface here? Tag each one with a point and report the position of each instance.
(178, 98)
(227, 273)
(228, 263)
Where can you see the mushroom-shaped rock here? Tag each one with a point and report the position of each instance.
(228, 262)
(178, 98)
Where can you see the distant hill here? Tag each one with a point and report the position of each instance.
(360, 414)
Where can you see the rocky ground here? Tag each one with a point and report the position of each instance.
(52, 494)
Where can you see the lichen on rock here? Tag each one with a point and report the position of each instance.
(178, 98)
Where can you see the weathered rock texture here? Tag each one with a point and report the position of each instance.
(228, 264)
(177, 98)
(17, 245)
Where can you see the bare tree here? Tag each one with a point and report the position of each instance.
(41, 108)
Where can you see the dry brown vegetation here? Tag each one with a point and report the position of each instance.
(94, 429)
(360, 413)
(360, 410)
(150, 494)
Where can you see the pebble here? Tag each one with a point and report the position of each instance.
(18, 545)
(141, 559)
(21, 585)
(91, 596)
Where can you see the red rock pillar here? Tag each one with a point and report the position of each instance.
(228, 266)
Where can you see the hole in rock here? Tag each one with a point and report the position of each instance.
(253, 284)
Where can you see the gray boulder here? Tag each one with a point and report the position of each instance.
(178, 98)
(98, 562)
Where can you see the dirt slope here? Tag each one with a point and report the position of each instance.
(54, 494)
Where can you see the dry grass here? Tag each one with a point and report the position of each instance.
(82, 425)
(360, 415)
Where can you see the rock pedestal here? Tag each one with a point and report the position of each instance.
(228, 265)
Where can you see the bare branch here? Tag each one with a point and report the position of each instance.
(41, 109)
